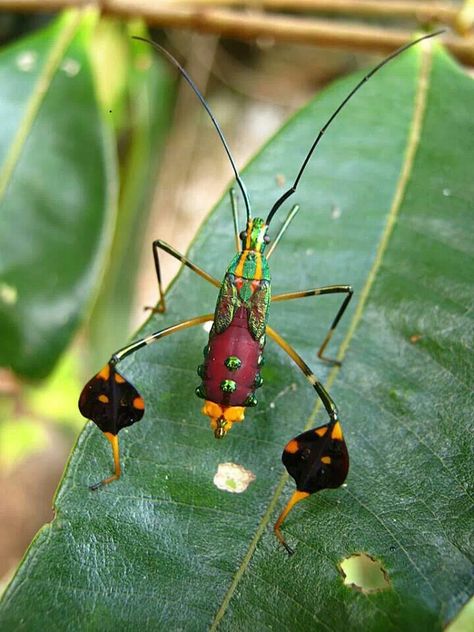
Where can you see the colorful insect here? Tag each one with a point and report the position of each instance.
(316, 459)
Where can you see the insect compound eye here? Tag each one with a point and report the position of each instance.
(243, 235)
(267, 239)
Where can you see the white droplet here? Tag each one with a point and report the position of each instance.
(8, 294)
(272, 404)
(232, 478)
(446, 192)
(70, 66)
(26, 60)
(207, 326)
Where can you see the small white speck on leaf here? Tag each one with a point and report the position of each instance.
(8, 294)
(446, 192)
(70, 67)
(272, 404)
(335, 212)
(309, 251)
(232, 478)
(280, 179)
(26, 61)
(207, 326)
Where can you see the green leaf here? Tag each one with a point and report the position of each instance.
(57, 192)
(385, 206)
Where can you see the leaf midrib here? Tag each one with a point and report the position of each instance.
(414, 135)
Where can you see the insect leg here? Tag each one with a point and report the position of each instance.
(113, 403)
(329, 289)
(235, 215)
(158, 244)
(317, 459)
(289, 218)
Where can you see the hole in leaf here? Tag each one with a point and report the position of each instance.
(364, 573)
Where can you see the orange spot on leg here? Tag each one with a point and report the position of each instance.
(104, 373)
(337, 432)
(292, 446)
(138, 403)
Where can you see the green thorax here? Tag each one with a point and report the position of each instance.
(251, 262)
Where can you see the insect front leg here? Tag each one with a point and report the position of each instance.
(319, 291)
(316, 459)
(113, 403)
(157, 245)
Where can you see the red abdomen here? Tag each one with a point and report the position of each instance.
(231, 370)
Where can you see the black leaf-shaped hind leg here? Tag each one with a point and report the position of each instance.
(316, 459)
(112, 403)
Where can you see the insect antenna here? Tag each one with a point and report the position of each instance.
(292, 189)
(204, 103)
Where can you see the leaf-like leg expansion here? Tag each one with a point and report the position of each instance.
(316, 459)
(113, 403)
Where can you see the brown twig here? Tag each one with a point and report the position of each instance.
(441, 12)
(240, 25)
(249, 26)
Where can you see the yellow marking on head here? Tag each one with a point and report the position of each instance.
(258, 268)
(119, 379)
(326, 459)
(337, 432)
(239, 270)
(104, 373)
(138, 403)
(292, 446)
(104, 399)
(321, 431)
(249, 234)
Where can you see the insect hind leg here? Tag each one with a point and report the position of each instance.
(316, 459)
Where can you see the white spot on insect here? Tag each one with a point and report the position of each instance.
(335, 212)
(207, 326)
(232, 478)
(446, 192)
(26, 61)
(8, 294)
(344, 485)
(70, 67)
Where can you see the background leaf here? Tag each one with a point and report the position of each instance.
(148, 100)
(57, 192)
(384, 207)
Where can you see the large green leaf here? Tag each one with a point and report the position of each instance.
(384, 207)
(57, 192)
